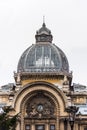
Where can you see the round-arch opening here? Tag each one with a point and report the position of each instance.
(52, 91)
(39, 104)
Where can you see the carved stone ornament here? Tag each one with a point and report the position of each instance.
(40, 106)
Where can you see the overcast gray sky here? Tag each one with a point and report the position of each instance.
(67, 20)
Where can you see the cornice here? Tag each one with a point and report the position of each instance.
(45, 75)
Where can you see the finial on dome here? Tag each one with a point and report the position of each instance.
(44, 25)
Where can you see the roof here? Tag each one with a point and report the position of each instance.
(82, 110)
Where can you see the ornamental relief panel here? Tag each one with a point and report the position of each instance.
(78, 100)
(40, 106)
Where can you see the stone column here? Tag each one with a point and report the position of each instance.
(18, 126)
(57, 120)
(22, 122)
(47, 126)
(32, 126)
(61, 125)
(57, 123)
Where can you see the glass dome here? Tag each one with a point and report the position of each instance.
(43, 57)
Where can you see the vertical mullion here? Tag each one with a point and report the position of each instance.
(35, 55)
(50, 57)
(43, 63)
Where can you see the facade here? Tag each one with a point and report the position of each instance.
(43, 93)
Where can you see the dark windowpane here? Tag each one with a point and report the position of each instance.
(27, 127)
(39, 127)
(52, 127)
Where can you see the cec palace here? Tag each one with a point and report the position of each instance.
(43, 92)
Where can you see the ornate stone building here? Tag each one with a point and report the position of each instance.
(43, 93)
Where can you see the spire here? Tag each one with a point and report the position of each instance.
(44, 25)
